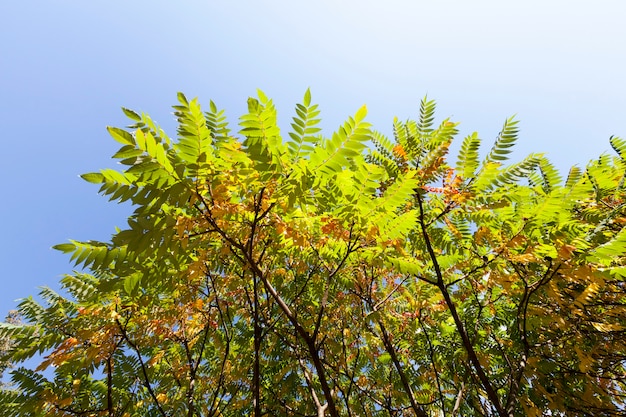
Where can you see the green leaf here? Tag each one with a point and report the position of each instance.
(121, 136)
(427, 116)
(360, 114)
(467, 161)
(182, 99)
(385, 358)
(131, 114)
(131, 284)
(505, 140)
(65, 247)
(93, 177)
(619, 145)
(551, 176)
(128, 151)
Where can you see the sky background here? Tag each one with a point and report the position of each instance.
(66, 68)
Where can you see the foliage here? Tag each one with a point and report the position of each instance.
(5, 345)
(351, 275)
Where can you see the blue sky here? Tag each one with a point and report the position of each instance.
(66, 68)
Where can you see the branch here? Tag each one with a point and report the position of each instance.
(144, 370)
(388, 296)
(431, 353)
(192, 379)
(223, 316)
(522, 315)
(307, 376)
(256, 373)
(109, 387)
(419, 411)
(329, 279)
(245, 256)
(459, 397)
(467, 344)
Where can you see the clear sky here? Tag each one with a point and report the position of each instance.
(66, 67)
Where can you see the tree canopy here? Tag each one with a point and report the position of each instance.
(343, 275)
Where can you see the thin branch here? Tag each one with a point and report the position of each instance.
(110, 386)
(307, 376)
(459, 398)
(419, 411)
(469, 348)
(144, 370)
(431, 353)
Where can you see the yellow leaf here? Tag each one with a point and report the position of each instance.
(584, 360)
(198, 304)
(566, 251)
(65, 402)
(75, 385)
(482, 234)
(607, 327)
(44, 364)
(587, 294)
(156, 358)
(524, 258)
(530, 409)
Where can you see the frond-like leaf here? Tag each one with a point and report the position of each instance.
(427, 116)
(263, 142)
(574, 175)
(194, 136)
(397, 194)
(504, 142)
(305, 131)
(619, 145)
(399, 226)
(467, 161)
(346, 143)
(550, 175)
(616, 247)
(217, 123)
(492, 175)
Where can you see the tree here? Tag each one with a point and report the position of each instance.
(353, 275)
